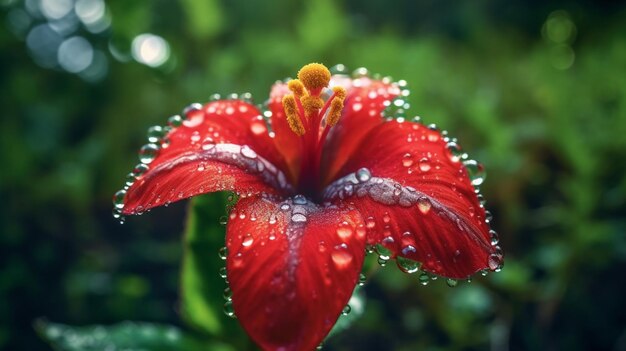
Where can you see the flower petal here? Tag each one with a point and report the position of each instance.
(223, 145)
(292, 267)
(418, 200)
(366, 99)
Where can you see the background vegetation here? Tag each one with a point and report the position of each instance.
(533, 89)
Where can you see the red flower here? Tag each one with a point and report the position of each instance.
(330, 178)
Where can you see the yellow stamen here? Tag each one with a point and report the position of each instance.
(311, 104)
(336, 106)
(297, 88)
(291, 112)
(314, 77)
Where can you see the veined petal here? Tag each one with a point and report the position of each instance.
(292, 267)
(223, 145)
(365, 101)
(418, 201)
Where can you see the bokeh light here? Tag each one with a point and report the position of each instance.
(75, 54)
(150, 49)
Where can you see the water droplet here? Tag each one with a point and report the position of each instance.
(118, 199)
(362, 279)
(452, 282)
(229, 310)
(272, 219)
(148, 153)
(175, 121)
(455, 151)
(382, 262)
(222, 272)
(247, 152)
(346, 310)
(258, 127)
(195, 137)
(344, 231)
(341, 256)
(424, 278)
(494, 237)
(155, 134)
(370, 222)
(495, 262)
(476, 172)
(208, 144)
(424, 205)
(407, 160)
(299, 200)
(383, 251)
(321, 246)
(223, 253)
(360, 231)
(285, 207)
(408, 250)
(407, 265)
(247, 240)
(363, 175)
(424, 164)
(215, 97)
(223, 220)
(228, 294)
(298, 218)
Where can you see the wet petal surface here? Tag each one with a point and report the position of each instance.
(418, 201)
(223, 145)
(292, 267)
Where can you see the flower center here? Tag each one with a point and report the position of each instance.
(311, 118)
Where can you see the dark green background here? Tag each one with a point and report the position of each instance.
(498, 75)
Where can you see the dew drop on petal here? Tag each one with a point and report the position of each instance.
(344, 231)
(258, 127)
(298, 218)
(362, 279)
(495, 262)
(346, 310)
(424, 205)
(227, 294)
(155, 134)
(248, 240)
(223, 253)
(476, 172)
(408, 250)
(118, 199)
(175, 121)
(424, 278)
(148, 153)
(229, 311)
(299, 200)
(370, 222)
(452, 282)
(363, 175)
(407, 265)
(424, 164)
(208, 144)
(341, 256)
(247, 152)
(407, 160)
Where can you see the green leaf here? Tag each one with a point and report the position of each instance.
(129, 336)
(202, 287)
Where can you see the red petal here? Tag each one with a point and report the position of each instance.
(287, 142)
(292, 267)
(418, 200)
(365, 101)
(223, 145)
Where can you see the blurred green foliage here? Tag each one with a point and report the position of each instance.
(534, 90)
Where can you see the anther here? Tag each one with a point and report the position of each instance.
(336, 106)
(291, 112)
(296, 88)
(311, 104)
(314, 77)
